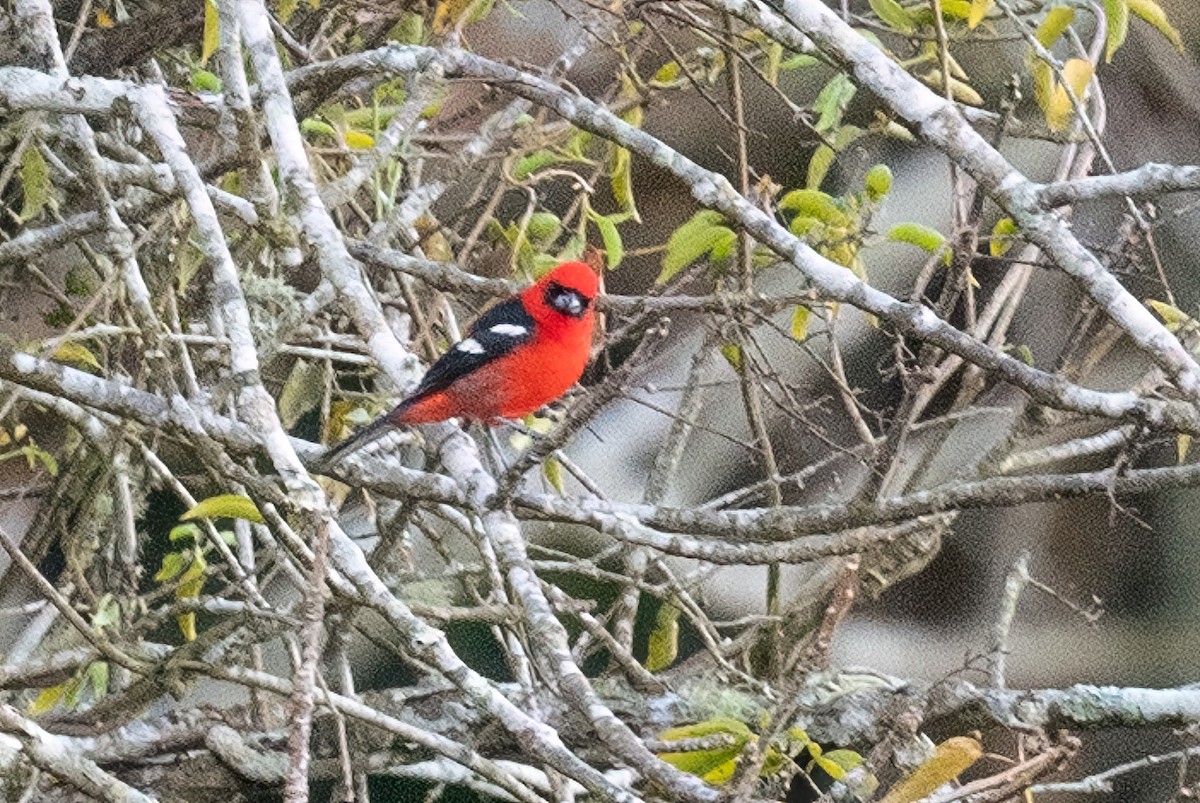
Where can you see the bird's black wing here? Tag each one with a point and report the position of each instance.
(496, 333)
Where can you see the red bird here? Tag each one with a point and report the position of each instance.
(520, 354)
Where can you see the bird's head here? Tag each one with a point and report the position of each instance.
(568, 290)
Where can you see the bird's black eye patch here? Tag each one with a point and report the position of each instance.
(567, 301)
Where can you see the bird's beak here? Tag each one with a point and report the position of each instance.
(576, 305)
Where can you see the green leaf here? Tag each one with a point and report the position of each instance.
(705, 233)
(538, 160)
(833, 99)
(979, 10)
(1003, 236)
(1152, 12)
(1054, 25)
(614, 249)
(1183, 444)
(35, 182)
(225, 506)
(205, 81)
(800, 317)
(543, 228)
(314, 127)
(1117, 13)
(212, 30)
(1026, 354)
(815, 204)
(172, 565)
(798, 62)
(716, 765)
(663, 646)
(878, 182)
(893, 15)
(921, 236)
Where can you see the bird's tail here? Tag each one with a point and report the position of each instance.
(371, 432)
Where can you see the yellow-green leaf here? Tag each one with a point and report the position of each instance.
(533, 162)
(800, 317)
(667, 73)
(622, 183)
(732, 353)
(1054, 25)
(212, 30)
(552, 470)
(35, 182)
(818, 166)
(979, 10)
(838, 762)
(304, 390)
(358, 140)
(286, 9)
(1183, 444)
(664, 639)
(49, 698)
(1117, 13)
(774, 59)
(949, 760)
(1152, 13)
(878, 182)
(956, 9)
(815, 204)
(1173, 317)
(408, 30)
(190, 586)
(621, 169)
(172, 566)
(225, 506)
(714, 766)
(1003, 236)
(893, 15)
(922, 237)
(1076, 74)
(75, 353)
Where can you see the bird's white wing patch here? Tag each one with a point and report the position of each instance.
(470, 346)
(509, 329)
